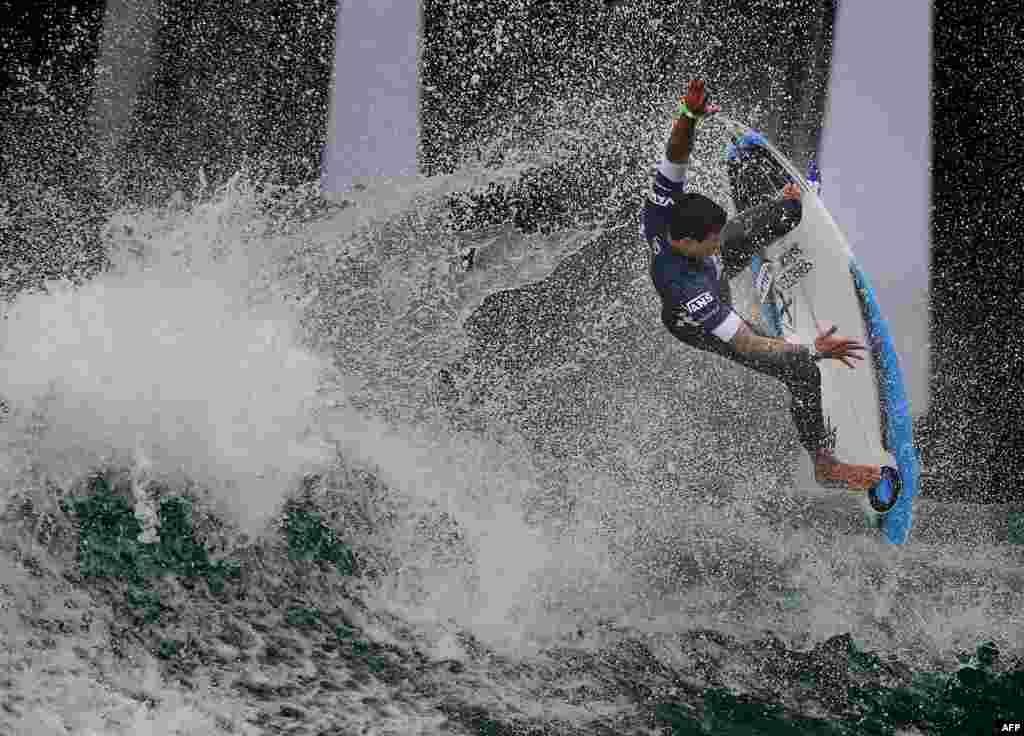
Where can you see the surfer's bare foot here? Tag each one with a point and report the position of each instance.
(830, 472)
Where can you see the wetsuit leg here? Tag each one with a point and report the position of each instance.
(800, 375)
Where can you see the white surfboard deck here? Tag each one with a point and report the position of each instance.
(814, 289)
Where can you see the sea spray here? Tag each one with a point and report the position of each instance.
(197, 360)
(178, 360)
(238, 345)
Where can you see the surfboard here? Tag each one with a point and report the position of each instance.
(808, 280)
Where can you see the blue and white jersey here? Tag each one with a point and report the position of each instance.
(690, 288)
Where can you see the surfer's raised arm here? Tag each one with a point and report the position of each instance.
(692, 107)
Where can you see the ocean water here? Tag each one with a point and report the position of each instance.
(562, 516)
(606, 485)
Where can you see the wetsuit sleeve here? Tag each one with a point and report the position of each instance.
(673, 172)
(669, 178)
(726, 327)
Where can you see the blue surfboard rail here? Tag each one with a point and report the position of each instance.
(899, 428)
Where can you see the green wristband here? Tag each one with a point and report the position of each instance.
(684, 110)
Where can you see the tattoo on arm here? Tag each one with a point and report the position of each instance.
(749, 343)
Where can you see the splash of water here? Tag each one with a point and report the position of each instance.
(240, 345)
(178, 356)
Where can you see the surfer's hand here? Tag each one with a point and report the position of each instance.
(830, 345)
(791, 191)
(696, 99)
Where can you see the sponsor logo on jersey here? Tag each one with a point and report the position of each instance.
(659, 199)
(658, 244)
(699, 303)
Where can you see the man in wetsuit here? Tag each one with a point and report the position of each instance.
(695, 251)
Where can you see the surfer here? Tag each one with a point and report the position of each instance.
(696, 250)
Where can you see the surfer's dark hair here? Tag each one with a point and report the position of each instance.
(694, 216)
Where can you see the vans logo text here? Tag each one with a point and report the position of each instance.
(699, 302)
